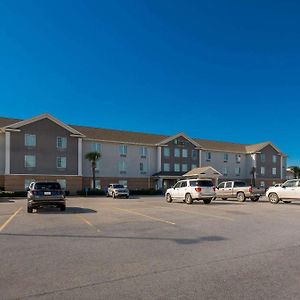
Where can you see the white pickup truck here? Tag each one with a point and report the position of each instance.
(239, 190)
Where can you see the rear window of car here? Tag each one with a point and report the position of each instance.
(118, 186)
(239, 184)
(201, 183)
(47, 186)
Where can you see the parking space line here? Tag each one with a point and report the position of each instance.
(201, 214)
(9, 219)
(89, 223)
(146, 216)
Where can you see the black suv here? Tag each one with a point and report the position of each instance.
(40, 194)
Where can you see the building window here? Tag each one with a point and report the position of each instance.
(30, 161)
(143, 152)
(143, 168)
(194, 166)
(238, 158)
(274, 159)
(262, 184)
(27, 183)
(61, 142)
(122, 167)
(225, 171)
(184, 153)
(262, 157)
(274, 171)
(97, 184)
(61, 162)
(177, 167)
(166, 167)
(237, 171)
(166, 152)
(225, 157)
(124, 183)
(208, 156)
(177, 152)
(262, 170)
(123, 150)
(184, 167)
(96, 147)
(30, 140)
(194, 154)
(98, 162)
(62, 183)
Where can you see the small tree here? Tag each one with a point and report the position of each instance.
(296, 171)
(253, 172)
(93, 157)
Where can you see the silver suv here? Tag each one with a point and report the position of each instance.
(189, 190)
(117, 190)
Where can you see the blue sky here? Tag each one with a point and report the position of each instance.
(221, 70)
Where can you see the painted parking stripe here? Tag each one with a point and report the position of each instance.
(9, 219)
(145, 216)
(89, 223)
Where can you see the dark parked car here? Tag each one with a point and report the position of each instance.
(41, 194)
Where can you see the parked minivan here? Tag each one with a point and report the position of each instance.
(189, 190)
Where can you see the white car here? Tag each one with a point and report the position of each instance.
(189, 190)
(288, 190)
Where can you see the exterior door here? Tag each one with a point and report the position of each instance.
(176, 190)
(182, 190)
(228, 189)
(289, 189)
(221, 190)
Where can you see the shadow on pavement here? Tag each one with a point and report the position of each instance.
(182, 241)
(69, 210)
(7, 201)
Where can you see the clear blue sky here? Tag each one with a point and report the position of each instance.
(221, 70)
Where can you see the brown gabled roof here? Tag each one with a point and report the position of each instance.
(7, 121)
(120, 135)
(221, 146)
(257, 147)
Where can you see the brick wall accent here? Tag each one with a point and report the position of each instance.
(16, 182)
(1, 180)
(133, 183)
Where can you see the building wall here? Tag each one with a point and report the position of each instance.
(2, 153)
(182, 143)
(110, 158)
(45, 150)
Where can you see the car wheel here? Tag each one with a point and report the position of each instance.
(169, 198)
(188, 199)
(287, 201)
(107, 195)
(63, 208)
(224, 198)
(29, 209)
(241, 197)
(273, 198)
(207, 201)
(126, 197)
(254, 199)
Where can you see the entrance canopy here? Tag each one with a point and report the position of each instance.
(204, 172)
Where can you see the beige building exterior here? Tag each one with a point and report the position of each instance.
(44, 148)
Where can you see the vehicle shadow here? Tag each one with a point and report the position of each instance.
(3, 200)
(182, 241)
(211, 203)
(69, 210)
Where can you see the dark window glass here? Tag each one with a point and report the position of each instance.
(118, 186)
(183, 184)
(239, 184)
(201, 183)
(221, 185)
(47, 186)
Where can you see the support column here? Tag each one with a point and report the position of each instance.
(158, 159)
(200, 158)
(80, 157)
(281, 167)
(7, 153)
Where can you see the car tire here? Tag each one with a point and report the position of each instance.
(241, 197)
(287, 201)
(207, 201)
(126, 197)
(224, 198)
(188, 199)
(169, 198)
(62, 208)
(107, 195)
(273, 198)
(29, 209)
(254, 199)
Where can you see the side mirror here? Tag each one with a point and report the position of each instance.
(217, 187)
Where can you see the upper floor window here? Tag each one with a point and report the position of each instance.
(122, 167)
(61, 162)
(274, 171)
(184, 153)
(194, 154)
(225, 171)
(177, 167)
(143, 168)
(98, 162)
(30, 140)
(208, 156)
(194, 166)
(143, 151)
(274, 159)
(262, 170)
(123, 150)
(96, 147)
(29, 161)
(177, 152)
(225, 157)
(166, 167)
(238, 158)
(61, 142)
(237, 171)
(262, 157)
(166, 152)
(184, 167)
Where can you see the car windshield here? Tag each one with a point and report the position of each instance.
(239, 184)
(201, 183)
(118, 186)
(47, 186)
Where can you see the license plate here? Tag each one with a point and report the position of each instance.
(47, 193)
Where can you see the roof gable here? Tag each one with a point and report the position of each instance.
(259, 147)
(171, 138)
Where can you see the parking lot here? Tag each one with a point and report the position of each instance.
(145, 248)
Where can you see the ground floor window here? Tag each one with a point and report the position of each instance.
(27, 182)
(97, 184)
(262, 184)
(62, 183)
(124, 182)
